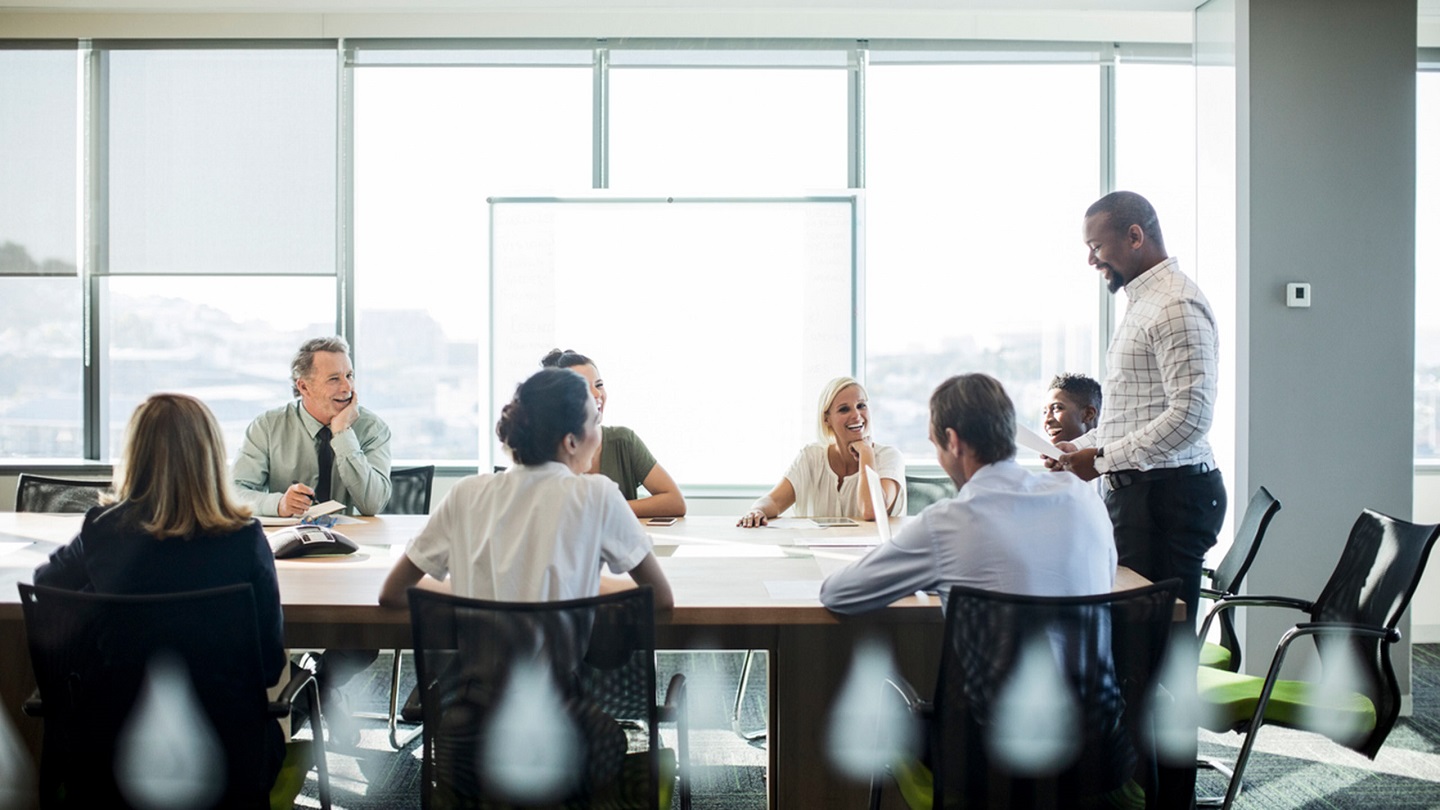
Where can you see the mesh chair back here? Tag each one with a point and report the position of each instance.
(38, 493)
(1236, 563)
(410, 491)
(1107, 650)
(90, 653)
(1232, 568)
(600, 654)
(921, 491)
(1372, 584)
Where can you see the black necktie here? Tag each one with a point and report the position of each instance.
(327, 459)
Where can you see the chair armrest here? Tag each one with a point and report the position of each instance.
(674, 699)
(1233, 601)
(33, 705)
(300, 678)
(913, 702)
(1385, 634)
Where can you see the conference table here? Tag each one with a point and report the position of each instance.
(735, 589)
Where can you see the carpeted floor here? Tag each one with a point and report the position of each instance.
(1289, 770)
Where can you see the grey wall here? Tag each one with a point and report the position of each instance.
(1326, 191)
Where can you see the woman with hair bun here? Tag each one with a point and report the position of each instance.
(541, 530)
(825, 479)
(623, 458)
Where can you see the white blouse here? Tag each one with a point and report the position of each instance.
(819, 492)
(534, 533)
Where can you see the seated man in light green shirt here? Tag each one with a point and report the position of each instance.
(279, 469)
(322, 446)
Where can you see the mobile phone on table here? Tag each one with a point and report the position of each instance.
(670, 521)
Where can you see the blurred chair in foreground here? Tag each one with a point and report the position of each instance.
(116, 737)
(545, 703)
(1041, 702)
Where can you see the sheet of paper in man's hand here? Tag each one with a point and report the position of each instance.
(1030, 440)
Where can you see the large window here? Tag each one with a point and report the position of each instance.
(431, 145)
(40, 298)
(1427, 267)
(220, 251)
(977, 181)
(237, 198)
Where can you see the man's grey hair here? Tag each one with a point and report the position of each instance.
(304, 361)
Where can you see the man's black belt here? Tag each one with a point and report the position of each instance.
(1124, 478)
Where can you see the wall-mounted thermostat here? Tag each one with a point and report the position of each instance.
(1297, 294)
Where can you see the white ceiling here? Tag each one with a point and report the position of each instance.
(637, 6)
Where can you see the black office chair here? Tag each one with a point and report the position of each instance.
(1226, 577)
(39, 493)
(409, 495)
(410, 491)
(1107, 649)
(923, 490)
(91, 654)
(1353, 624)
(599, 657)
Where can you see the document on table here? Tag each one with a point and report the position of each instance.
(877, 502)
(7, 547)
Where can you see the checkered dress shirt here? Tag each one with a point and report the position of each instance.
(1160, 389)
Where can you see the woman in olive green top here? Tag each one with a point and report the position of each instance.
(623, 457)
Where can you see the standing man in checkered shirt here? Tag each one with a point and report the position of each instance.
(1165, 496)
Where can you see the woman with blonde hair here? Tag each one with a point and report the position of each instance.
(825, 479)
(175, 527)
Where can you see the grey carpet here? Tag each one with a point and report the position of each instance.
(1289, 771)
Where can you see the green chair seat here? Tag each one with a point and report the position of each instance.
(917, 788)
(1214, 656)
(1228, 699)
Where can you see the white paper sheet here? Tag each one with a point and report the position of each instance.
(877, 501)
(1030, 440)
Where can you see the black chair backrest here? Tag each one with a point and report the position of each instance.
(921, 491)
(1372, 584)
(600, 654)
(1228, 575)
(1236, 563)
(410, 491)
(38, 493)
(1107, 649)
(91, 653)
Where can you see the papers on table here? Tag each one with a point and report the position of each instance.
(7, 547)
(727, 550)
(1030, 440)
(877, 502)
(274, 520)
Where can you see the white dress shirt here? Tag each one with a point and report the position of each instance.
(1160, 388)
(1008, 530)
(534, 533)
(819, 492)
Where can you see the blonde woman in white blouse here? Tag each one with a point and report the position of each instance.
(825, 480)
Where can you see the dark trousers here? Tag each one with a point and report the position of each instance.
(1164, 527)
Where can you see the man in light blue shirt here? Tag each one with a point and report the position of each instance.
(279, 470)
(1007, 529)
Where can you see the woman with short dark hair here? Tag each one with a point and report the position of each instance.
(541, 530)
